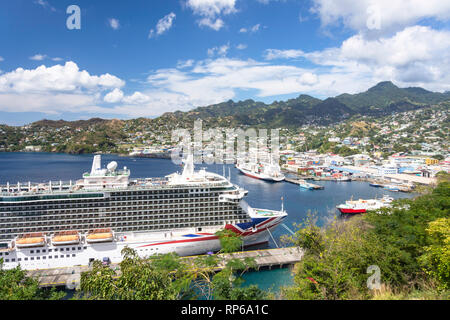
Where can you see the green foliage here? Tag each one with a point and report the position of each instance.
(169, 277)
(409, 242)
(16, 285)
(229, 240)
(436, 258)
(139, 279)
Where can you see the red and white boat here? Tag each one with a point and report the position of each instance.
(362, 206)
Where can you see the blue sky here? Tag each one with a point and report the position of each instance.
(143, 58)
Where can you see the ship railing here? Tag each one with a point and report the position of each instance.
(28, 188)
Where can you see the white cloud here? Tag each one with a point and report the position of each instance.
(207, 22)
(185, 63)
(211, 10)
(415, 56)
(136, 98)
(213, 81)
(56, 89)
(45, 5)
(114, 23)
(241, 46)
(38, 57)
(379, 16)
(114, 96)
(252, 29)
(271, 54)
(163, 25)
(220, 51)
(1, 59)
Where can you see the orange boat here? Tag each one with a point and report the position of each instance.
(66, 237)
(30, 240)
(100, 235)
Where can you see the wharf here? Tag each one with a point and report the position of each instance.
(300, 181)
(266, 258)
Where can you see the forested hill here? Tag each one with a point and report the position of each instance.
(382, 99)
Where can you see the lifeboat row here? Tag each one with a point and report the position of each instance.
(31, 240)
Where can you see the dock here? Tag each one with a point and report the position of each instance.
(300, 182)
(266, 258)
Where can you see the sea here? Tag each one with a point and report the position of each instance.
(299, 203)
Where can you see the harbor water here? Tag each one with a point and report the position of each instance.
(298, 202)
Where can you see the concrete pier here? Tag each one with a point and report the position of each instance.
(267, 258)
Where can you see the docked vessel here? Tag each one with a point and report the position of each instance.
(343, 179)
(261, 170)
(305, 185)
(62, 224)
(391, 187)
(363, 206)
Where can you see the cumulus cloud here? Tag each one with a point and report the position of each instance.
(114, 96)
(53, 89)
(163, 25)
(417, 55)
(211, 11)
(381, 16)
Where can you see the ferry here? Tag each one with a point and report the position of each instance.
(64, 224)
(363, 206)
(261, 170)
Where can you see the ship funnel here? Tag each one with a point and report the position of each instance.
(96, 164)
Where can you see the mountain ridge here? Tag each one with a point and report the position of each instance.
(381, 99)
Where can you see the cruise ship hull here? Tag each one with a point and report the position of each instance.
(260, 176)
(183, 242)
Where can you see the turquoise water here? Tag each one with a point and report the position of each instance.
(298, 202)
(269, 280)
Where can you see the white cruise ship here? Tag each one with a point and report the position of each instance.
(267, 171)
(64, 224)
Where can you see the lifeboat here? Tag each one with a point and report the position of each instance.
(30, 240)
(65, 237)
(100, 235)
